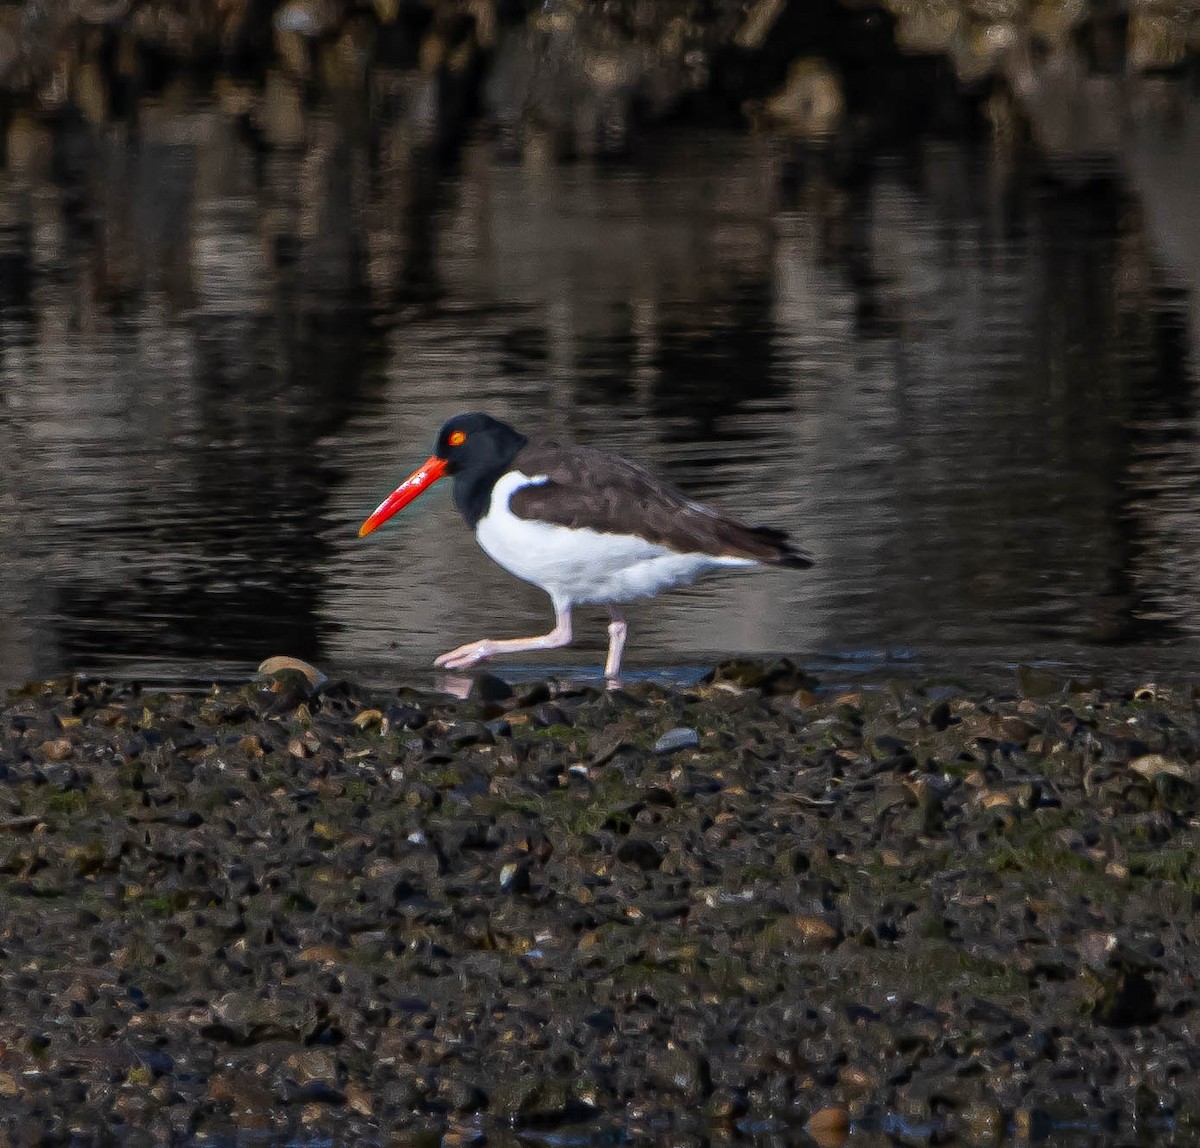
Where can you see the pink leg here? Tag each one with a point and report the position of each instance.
(475, 652)
(618, 630)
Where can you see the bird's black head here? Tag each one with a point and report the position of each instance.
(472, 441)
(477, 449)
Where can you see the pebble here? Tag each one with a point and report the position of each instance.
(1032, 1124)
(369, 719)
(682, 737)
(636, 851)
(816, 933)
(983, 1122)
(514, 878)
(489, 688)
(57, 749)
(462, 734)
(549, 714)
(1151, 765)
(280, 665)
(829, 1127)
(404, 717)
(677, 1070)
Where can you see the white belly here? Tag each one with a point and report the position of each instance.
(576, 566)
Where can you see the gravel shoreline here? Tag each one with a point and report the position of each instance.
(749, 908)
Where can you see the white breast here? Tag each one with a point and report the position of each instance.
(575, 565)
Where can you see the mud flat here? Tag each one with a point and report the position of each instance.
(754, 908)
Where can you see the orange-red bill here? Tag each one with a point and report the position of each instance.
(421, 479)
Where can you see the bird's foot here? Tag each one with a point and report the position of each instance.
(466, 656)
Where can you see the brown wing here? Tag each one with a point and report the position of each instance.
(588, 488)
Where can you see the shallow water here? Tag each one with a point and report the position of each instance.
(967, 385)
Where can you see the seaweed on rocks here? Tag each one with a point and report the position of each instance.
(757, 902)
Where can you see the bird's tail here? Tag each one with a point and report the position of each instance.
(776, 549)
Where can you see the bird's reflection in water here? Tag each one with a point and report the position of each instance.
(455, 685)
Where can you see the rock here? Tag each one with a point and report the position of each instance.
(531, 1102)
(1126, 998)
(404, 717)
(636, 851)
(1054, 21)
(251, 745)
(923, 28)
(778, 677)
(285, 690)
(726, 1105)
(281, 665)
(308, 18)
(463, 1132)
(1158, 37)
(810, 103)
(856, 1078)
(489, 688)
(57, 749)
(829, 1127)
(679, 1070)
(676, 739)
(983, 1122)
(533, 695)
(359, 1100)
(549, 714)
(1032, 1124)
(514, 877)
(1016, 730)
(1150, 765)
(465, 733)
(815, 932)
(363, 933)
(369, 719)
(759, 20)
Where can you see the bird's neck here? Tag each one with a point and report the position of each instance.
(473, 485)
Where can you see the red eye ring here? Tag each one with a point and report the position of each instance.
(457, 438)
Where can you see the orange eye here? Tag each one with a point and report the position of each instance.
(457, 438)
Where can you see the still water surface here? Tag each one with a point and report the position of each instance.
(966, 385)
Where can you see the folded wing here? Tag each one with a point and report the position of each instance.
(586, 488)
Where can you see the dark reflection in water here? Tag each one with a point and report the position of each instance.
(968, 389)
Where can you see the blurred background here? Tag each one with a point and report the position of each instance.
(914, 280)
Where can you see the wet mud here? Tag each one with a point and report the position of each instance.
(758, 908)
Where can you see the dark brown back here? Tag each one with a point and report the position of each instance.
(608, 494)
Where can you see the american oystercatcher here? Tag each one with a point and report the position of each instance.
(585, 526)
